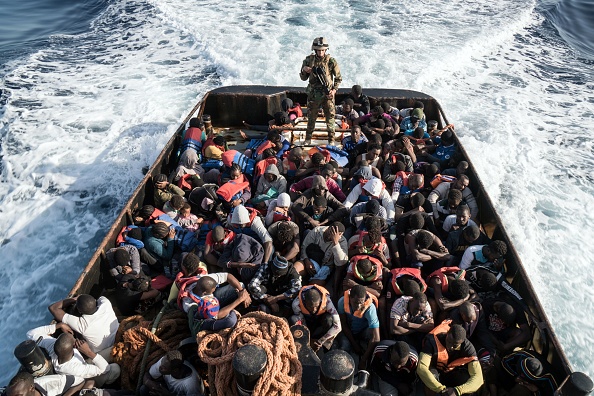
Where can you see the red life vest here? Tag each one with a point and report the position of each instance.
(404, 176)
(321, 150)
(263, 164)
(154, 216)
(120, 238)
(183, 284)
(378, 267)
(296, 110)
(414, 273)
(443, 273)
(325, 297)
(280, 217)
(232, 188)
(183, 182)
(266, 145)
(370, 299)
(380, 246)
(442, 352)
(439, 178)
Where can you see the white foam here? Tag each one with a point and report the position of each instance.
(93, 109)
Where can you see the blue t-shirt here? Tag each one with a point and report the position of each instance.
(368, 321)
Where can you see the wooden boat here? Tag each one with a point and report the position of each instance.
(229, 106)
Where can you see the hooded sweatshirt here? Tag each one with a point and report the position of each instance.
(279, 183)
(307, 198)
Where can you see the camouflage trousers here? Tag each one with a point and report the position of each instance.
(315, 100)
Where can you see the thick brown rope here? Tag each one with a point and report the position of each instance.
(282, 375)
(131, 339)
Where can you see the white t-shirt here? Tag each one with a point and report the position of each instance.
(469, 256)
(57, 384)
(99, 329)
(451, 220)
(188, 386)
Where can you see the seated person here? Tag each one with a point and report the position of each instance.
(177, 375)
(236, 190)
(411, 318)
(507, 323)
(123, 260)
(356, 138)
(412, 220)
(216, 241)
(424, 250)
(415, 186)
(159, 243)
(205, 312)
(247, 221)
(414, 121)
(188, 165)
(459, 220)
(318, 189)
(492, 255)
(346, 112)
(173, 206)
(444, 153)
(373, 189)
(311, 167)
(360, 325)
(448, 206)
(323, 248)
(285, 236)
(243, 255)
(459, 240)
(66, 354)
(363, 172)
(360, 101)
(164, 190)
(471, 316)
(313, 308)
(187, 220)
(448, 364)
(398, 282)
(397, 150)
(279, 209)
(294, 160)
(24, 384)
(95, 321)
(372, 156)
(316, 214)
(303, 185)
(214, 147)
(134, 295)
(370, 241)
(362, 210)
(373, 123)
(394, 366)
(275, 285)
(449, 288)
(364, 270)
(270, 185)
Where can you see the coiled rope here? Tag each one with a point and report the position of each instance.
(132, 337)
(282, 375)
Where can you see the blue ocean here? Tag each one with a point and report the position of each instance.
(90, 91)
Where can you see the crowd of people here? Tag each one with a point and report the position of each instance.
(374, 244)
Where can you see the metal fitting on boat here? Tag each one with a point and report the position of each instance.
(576, 384)
(249, 363)
(33, 359)
(337, 376)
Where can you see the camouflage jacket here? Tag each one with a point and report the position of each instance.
(330, 66)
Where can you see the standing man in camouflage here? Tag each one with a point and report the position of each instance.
(324, 78)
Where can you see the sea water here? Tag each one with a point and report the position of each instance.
(91, 92)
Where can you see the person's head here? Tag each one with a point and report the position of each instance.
(373, 188)
(144, 213)
(399, 166)
(431, 171)
(416, 221)
(160, 181)
(458, 289)
(417, 304)
(372, 207)
(467, 312)
(418, 105)
(505, 312)
(271, 173)
(286, 104)
(135, 233)
(471, 233)
(462, 215)
(283, 201)
(235, 172)
(312, 300)
(461, 169)
(280, 265)
(219, 140)
(417, 199)
(328, 171)
(530, 368)
(373, 151)
(424, 239)
(171, 363)
(121, 257)
(455, 338)
(414, 120)
(410, 287)
(284, 233)
(356, 91)
(495, 251)
(358, 295)
(415, 181)
(280, 118)
(318, 186)
(431, 125)
(454, 198)
(461, 183)
(185, 210)
(365, 267)
(356, 133)
(22, 384)
(386, 107)
(377, 111)
(274, 136)
(337, 226)
(86, 304)
(140, 284)
(218, 234)
(205, 285)
(318, 159)
(374, 235)
(320, 46)
(64, 346)
(320, 203)
(240, 216)
(196, 123)
(418, 133)
(347, 105)
(160, 230)
(399, 354)
(191, 262)
(486, 280)
(447, 138)
(177, 201)
(296, 154)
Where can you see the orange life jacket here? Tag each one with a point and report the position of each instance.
(370, 299)
(442, 352)
(263, 164)
(325, 296)
(321, 150)
(266, 145)
(439, 178)
(296, 110)
(380, 246)
(183, 182)
(414, 273)
(232, 187)
(378, 267)
(443, 273)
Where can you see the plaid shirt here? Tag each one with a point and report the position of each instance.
(264, 277)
